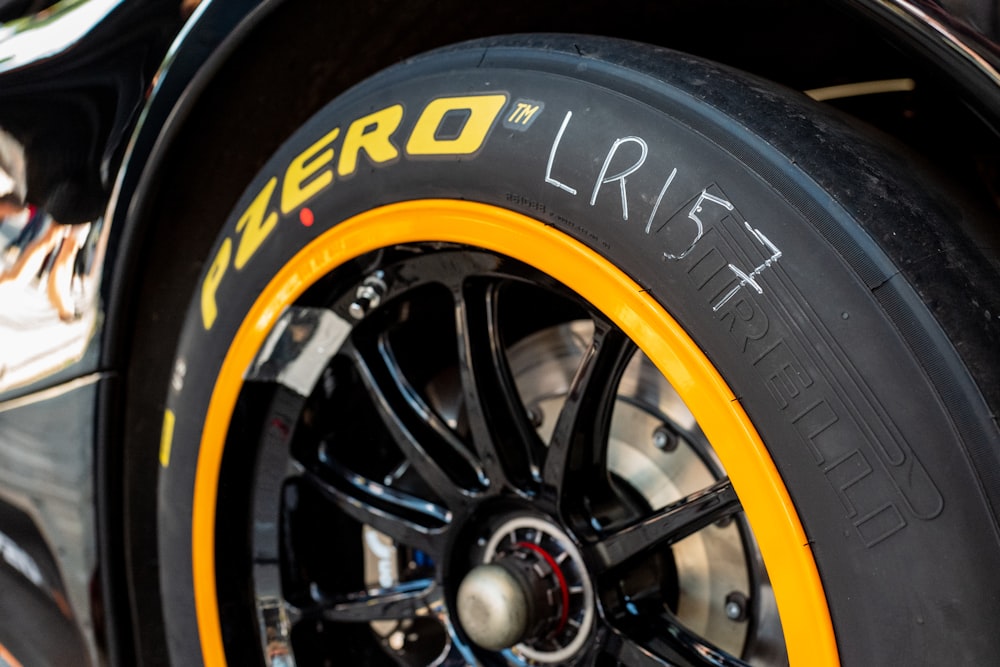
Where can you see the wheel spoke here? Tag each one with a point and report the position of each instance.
(405, 600)
(667, 526)
(501, 431)
(404, 518)
(663, 642)
(629, 652)
(672, 638)
(578, 448)
(430, 447)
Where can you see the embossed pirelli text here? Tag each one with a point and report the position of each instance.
(849, 434)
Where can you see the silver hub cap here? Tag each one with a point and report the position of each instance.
(493, 607)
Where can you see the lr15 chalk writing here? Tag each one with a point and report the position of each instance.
(617, 184)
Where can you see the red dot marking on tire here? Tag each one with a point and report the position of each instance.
(563, 587)
(306, 217)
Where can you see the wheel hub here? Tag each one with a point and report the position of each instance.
(495, 605)
(531, 593)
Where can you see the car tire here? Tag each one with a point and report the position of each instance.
(382, 294)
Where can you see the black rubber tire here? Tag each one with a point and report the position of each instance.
(867, 359)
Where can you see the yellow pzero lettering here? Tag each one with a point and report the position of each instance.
(255, 224)
(166, 438)
(209, 309)
(308, 173)
(482, 111)
(522, 113)
(371, 133)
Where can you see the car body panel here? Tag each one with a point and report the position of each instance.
(46, 472)
(70, 95)
(54, 297)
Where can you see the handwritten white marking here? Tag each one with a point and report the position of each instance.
(552, 157)
(656, 206)
(748, 279)
(693, 215)
(620, 177)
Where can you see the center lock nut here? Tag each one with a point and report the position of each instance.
(531, 594)
(514, 598)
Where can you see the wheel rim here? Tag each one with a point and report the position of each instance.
(482, 485)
